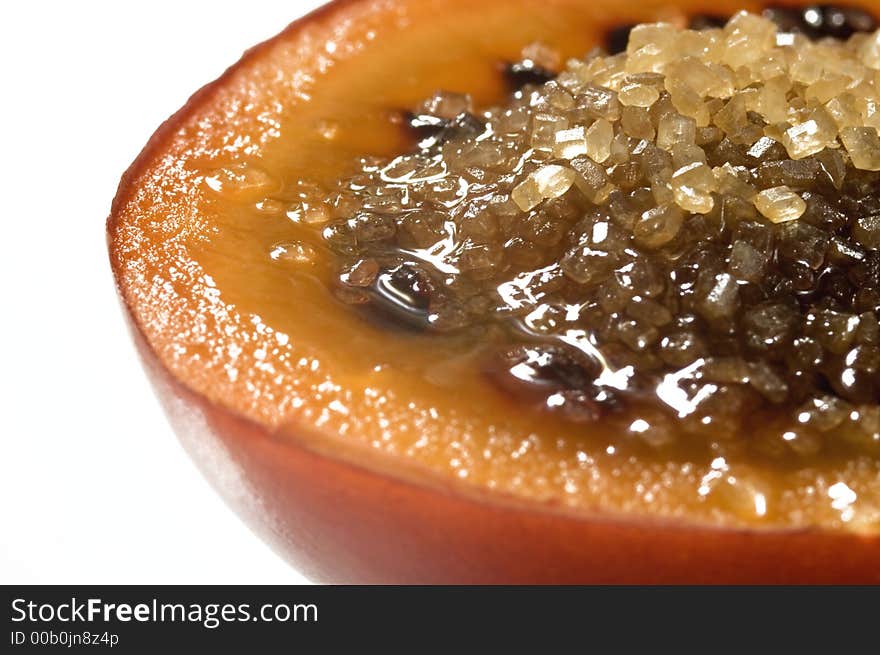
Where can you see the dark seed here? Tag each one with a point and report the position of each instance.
(402, 296)
(432, 130)
(617, 37)
(424, 125)
(842, 22)
(519, 74)
(545, 368)
(787, 19)
(820, 21)
(553, 378)
(707, 21)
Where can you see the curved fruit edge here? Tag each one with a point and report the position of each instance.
(160, 375)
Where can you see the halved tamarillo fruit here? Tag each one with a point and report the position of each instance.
(595, 376)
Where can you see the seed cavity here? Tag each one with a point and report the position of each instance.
(686, 225)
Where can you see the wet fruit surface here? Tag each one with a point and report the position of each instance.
(656, 228)
(273, 327)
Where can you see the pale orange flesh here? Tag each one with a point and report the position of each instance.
(272, 343)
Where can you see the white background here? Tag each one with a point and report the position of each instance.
(93, 485)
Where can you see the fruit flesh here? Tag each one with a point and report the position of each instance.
(273, 345)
